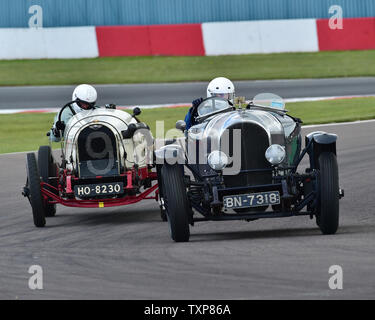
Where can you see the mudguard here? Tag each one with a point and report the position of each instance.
(171, 154)
(319, 142)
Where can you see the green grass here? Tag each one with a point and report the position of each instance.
(25, 132)
(171, 69)
(327, 111)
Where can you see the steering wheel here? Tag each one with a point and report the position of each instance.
(60, 125)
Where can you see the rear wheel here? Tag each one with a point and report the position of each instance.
(327, 216)
(35, 194)
(47, 169)
(176, 202)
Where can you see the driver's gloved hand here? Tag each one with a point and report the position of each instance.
(56, 132)
(110, 106)
(59, 126)
(197, 102)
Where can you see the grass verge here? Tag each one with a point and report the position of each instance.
(25, 132)
(172, 69)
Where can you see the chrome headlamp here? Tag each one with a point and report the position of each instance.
(275, 154)
(217, 160)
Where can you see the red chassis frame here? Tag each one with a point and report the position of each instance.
(101, 203)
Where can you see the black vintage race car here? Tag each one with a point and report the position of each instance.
(240, 163)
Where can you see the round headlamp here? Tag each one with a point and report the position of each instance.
(217, 160)
(275, 154)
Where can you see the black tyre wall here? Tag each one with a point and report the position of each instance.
(35, 194)
(328, 211)
(176, 202)
(47, 169)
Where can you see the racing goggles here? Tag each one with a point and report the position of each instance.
(228, 96)
(85, 105)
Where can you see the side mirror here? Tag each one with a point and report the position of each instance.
(181, 125)
(136, 111)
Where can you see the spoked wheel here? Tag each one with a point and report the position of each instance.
(327, 217)
(47, 169)
(163, 214)
(176, 202)
(35, 194)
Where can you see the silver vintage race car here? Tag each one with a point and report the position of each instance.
(242, 163)
(107, 160)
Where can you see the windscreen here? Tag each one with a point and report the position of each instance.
(212, 105)
(269, 100)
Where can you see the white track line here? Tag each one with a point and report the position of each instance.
(177, 105)
(291, 100)
(338, 123)
(54, 110)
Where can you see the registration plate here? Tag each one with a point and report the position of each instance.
(102, 189)
(251, 200)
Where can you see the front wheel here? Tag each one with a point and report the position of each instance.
(176, 202)
(35, 194)
(327, 216)
(47, 169)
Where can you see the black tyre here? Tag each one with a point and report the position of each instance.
(163, 214)
(47, 169)
(327, 217)
(176, 202)
(35, 194)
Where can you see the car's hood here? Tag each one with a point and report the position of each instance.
(217, 124)
(114, 118)
(117, 121)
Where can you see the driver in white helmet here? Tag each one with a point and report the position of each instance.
(218, 87)
(83, 98)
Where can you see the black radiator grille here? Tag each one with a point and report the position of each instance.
(254, 143)
(97, 151)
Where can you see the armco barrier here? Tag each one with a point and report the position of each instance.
(123, 41)
(213, 38)
(177, 40)
(357, 34)
(79, 42)
(260, 36)
(172, 40)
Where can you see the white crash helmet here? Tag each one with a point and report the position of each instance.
(221, 87)
(84, 96)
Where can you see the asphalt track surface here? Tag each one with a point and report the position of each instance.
(126, 252)
(146, 94)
